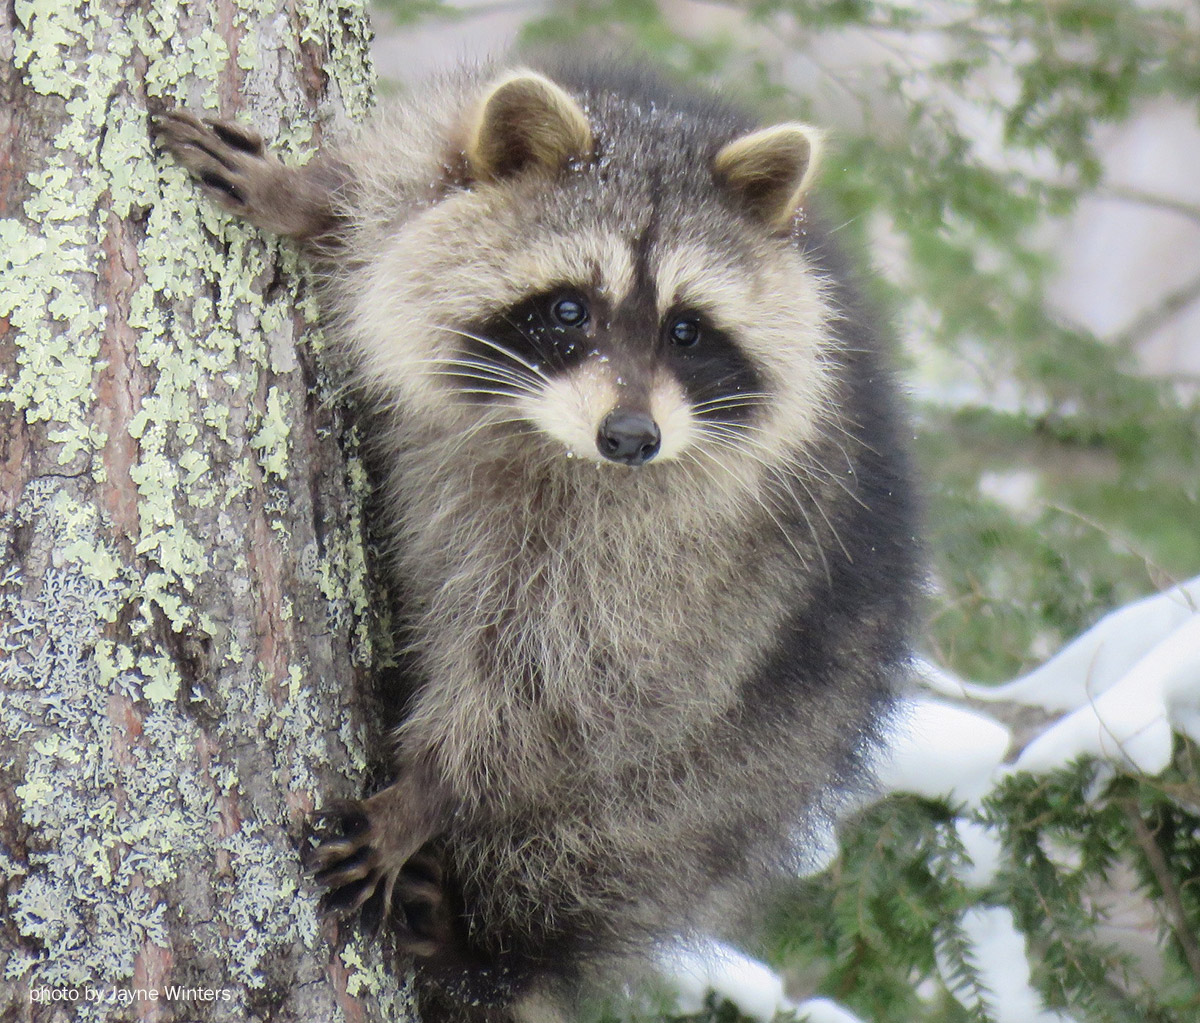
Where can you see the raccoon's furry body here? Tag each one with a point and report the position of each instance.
(639, 683)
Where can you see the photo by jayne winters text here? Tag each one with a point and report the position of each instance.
(113, 995)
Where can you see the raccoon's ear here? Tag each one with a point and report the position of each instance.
(526, 122)
(771, 170)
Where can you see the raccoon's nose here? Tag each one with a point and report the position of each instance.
(629, 437)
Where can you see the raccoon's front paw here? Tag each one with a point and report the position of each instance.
(363, 868)
(230, 161)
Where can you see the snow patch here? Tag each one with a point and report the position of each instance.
(1132, 720)
(984, 851)
(698, 968)
(941, 751)
(1003, 964)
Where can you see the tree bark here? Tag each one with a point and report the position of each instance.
(184, 598)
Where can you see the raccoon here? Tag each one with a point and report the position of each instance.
(648, 500)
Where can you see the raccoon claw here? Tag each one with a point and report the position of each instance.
(236, 169)
(221, 190)
(361, 874)
(225, 157)
(349, 867)
(236, 136)
(412, 933)
(421, 897)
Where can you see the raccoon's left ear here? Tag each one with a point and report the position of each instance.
(771, 170)
(526, 122)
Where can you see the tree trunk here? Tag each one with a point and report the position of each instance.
(184, 612)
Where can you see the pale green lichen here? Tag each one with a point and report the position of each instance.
(89, 897)
(46, 50)
(368, 976)
(69, 773)
(270, 440)
(264, 879)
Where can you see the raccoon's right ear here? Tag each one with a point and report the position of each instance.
(526, 122)
(770, 171)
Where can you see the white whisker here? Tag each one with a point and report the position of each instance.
(731, 400)
(758, 499)
(507, 352)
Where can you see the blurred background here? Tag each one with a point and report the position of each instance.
(1024, 180)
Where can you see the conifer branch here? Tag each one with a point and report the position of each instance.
(1166, 882)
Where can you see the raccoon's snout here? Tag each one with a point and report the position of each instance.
(632, 438)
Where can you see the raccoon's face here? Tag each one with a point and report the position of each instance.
(617, 316)
(610, 377)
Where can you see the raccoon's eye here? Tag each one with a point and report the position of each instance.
(569, 312)
(684, 333)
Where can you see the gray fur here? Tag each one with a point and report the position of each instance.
(638, 688)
